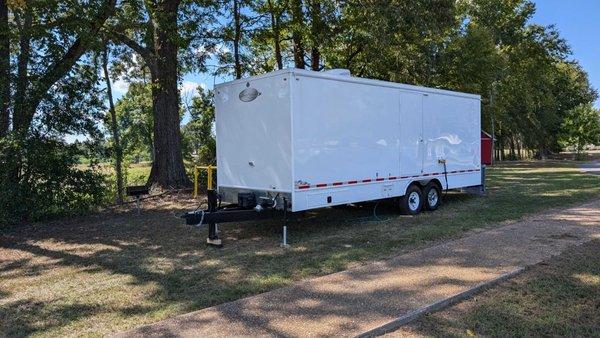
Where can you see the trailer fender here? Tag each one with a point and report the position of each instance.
(410, 184)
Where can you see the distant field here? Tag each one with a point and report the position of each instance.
(137, 174)
(117, 270)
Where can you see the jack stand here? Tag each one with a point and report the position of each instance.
(284, 242)
(213, 234)
(213, 237)
(137, 204)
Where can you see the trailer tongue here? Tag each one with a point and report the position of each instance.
(214, 214)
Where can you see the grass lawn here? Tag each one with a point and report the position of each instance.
(137, 174)
(115, 270)
(558, 298)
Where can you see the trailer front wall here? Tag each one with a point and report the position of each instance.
(254, 136)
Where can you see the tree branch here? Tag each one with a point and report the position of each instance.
(61, 67)
(146, 53)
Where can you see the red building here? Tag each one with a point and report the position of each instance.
(487, 148)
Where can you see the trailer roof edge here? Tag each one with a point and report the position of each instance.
(315, 74)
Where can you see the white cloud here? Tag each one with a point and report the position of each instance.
(222, 48)
(120, 86)
(190, 88)
(187, 88)
(219, 48)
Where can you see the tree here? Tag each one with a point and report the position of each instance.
(297, 27)
(276, 11)
(267, 43)
(581, 127)
(159, 49)
(172, 38)
(397, 41)
(135, 122)
(52, 93)
(237, 23)
(117, 150)
(198, 133)
(32, 89)
(525, 68)
(316, 33)
(4, 69)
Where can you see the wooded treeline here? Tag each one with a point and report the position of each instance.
(58, 58)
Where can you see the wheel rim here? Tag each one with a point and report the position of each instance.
(432, 197)
(414, 200)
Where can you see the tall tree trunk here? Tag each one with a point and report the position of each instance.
(21, 109)
(297, 24)
(513, 154)
(316, 30)
(236, 39)
(501, 148)
(275, 27)
(114, 129)
(168, 170)
(4, 69)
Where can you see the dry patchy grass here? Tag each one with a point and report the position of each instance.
(115, 270)
(557, 298)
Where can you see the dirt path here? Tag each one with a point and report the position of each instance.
(373, 296)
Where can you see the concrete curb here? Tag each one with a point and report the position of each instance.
(439, 305)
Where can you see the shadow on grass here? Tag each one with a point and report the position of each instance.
(559, 298)
(28, 312)
(156, 249)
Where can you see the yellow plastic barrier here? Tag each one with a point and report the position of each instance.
(209, 177)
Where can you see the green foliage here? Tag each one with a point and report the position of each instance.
(581, 127)
(53, 93)
(135, 123)
(199, 139)
(41, 180)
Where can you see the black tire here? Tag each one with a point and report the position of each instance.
(432, 196)
(412, 202)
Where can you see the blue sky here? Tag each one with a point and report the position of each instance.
(579, 23)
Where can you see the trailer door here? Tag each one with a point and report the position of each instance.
(452, 133)
(411, 133)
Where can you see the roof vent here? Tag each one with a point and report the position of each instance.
(338, 71)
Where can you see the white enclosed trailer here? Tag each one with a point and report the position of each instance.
(295, 140)
(321, 139)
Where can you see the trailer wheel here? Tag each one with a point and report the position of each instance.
(412, 202)
(432, 196)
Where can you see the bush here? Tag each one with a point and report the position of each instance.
(40, 179)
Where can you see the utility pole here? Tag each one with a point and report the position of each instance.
(492, 94)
